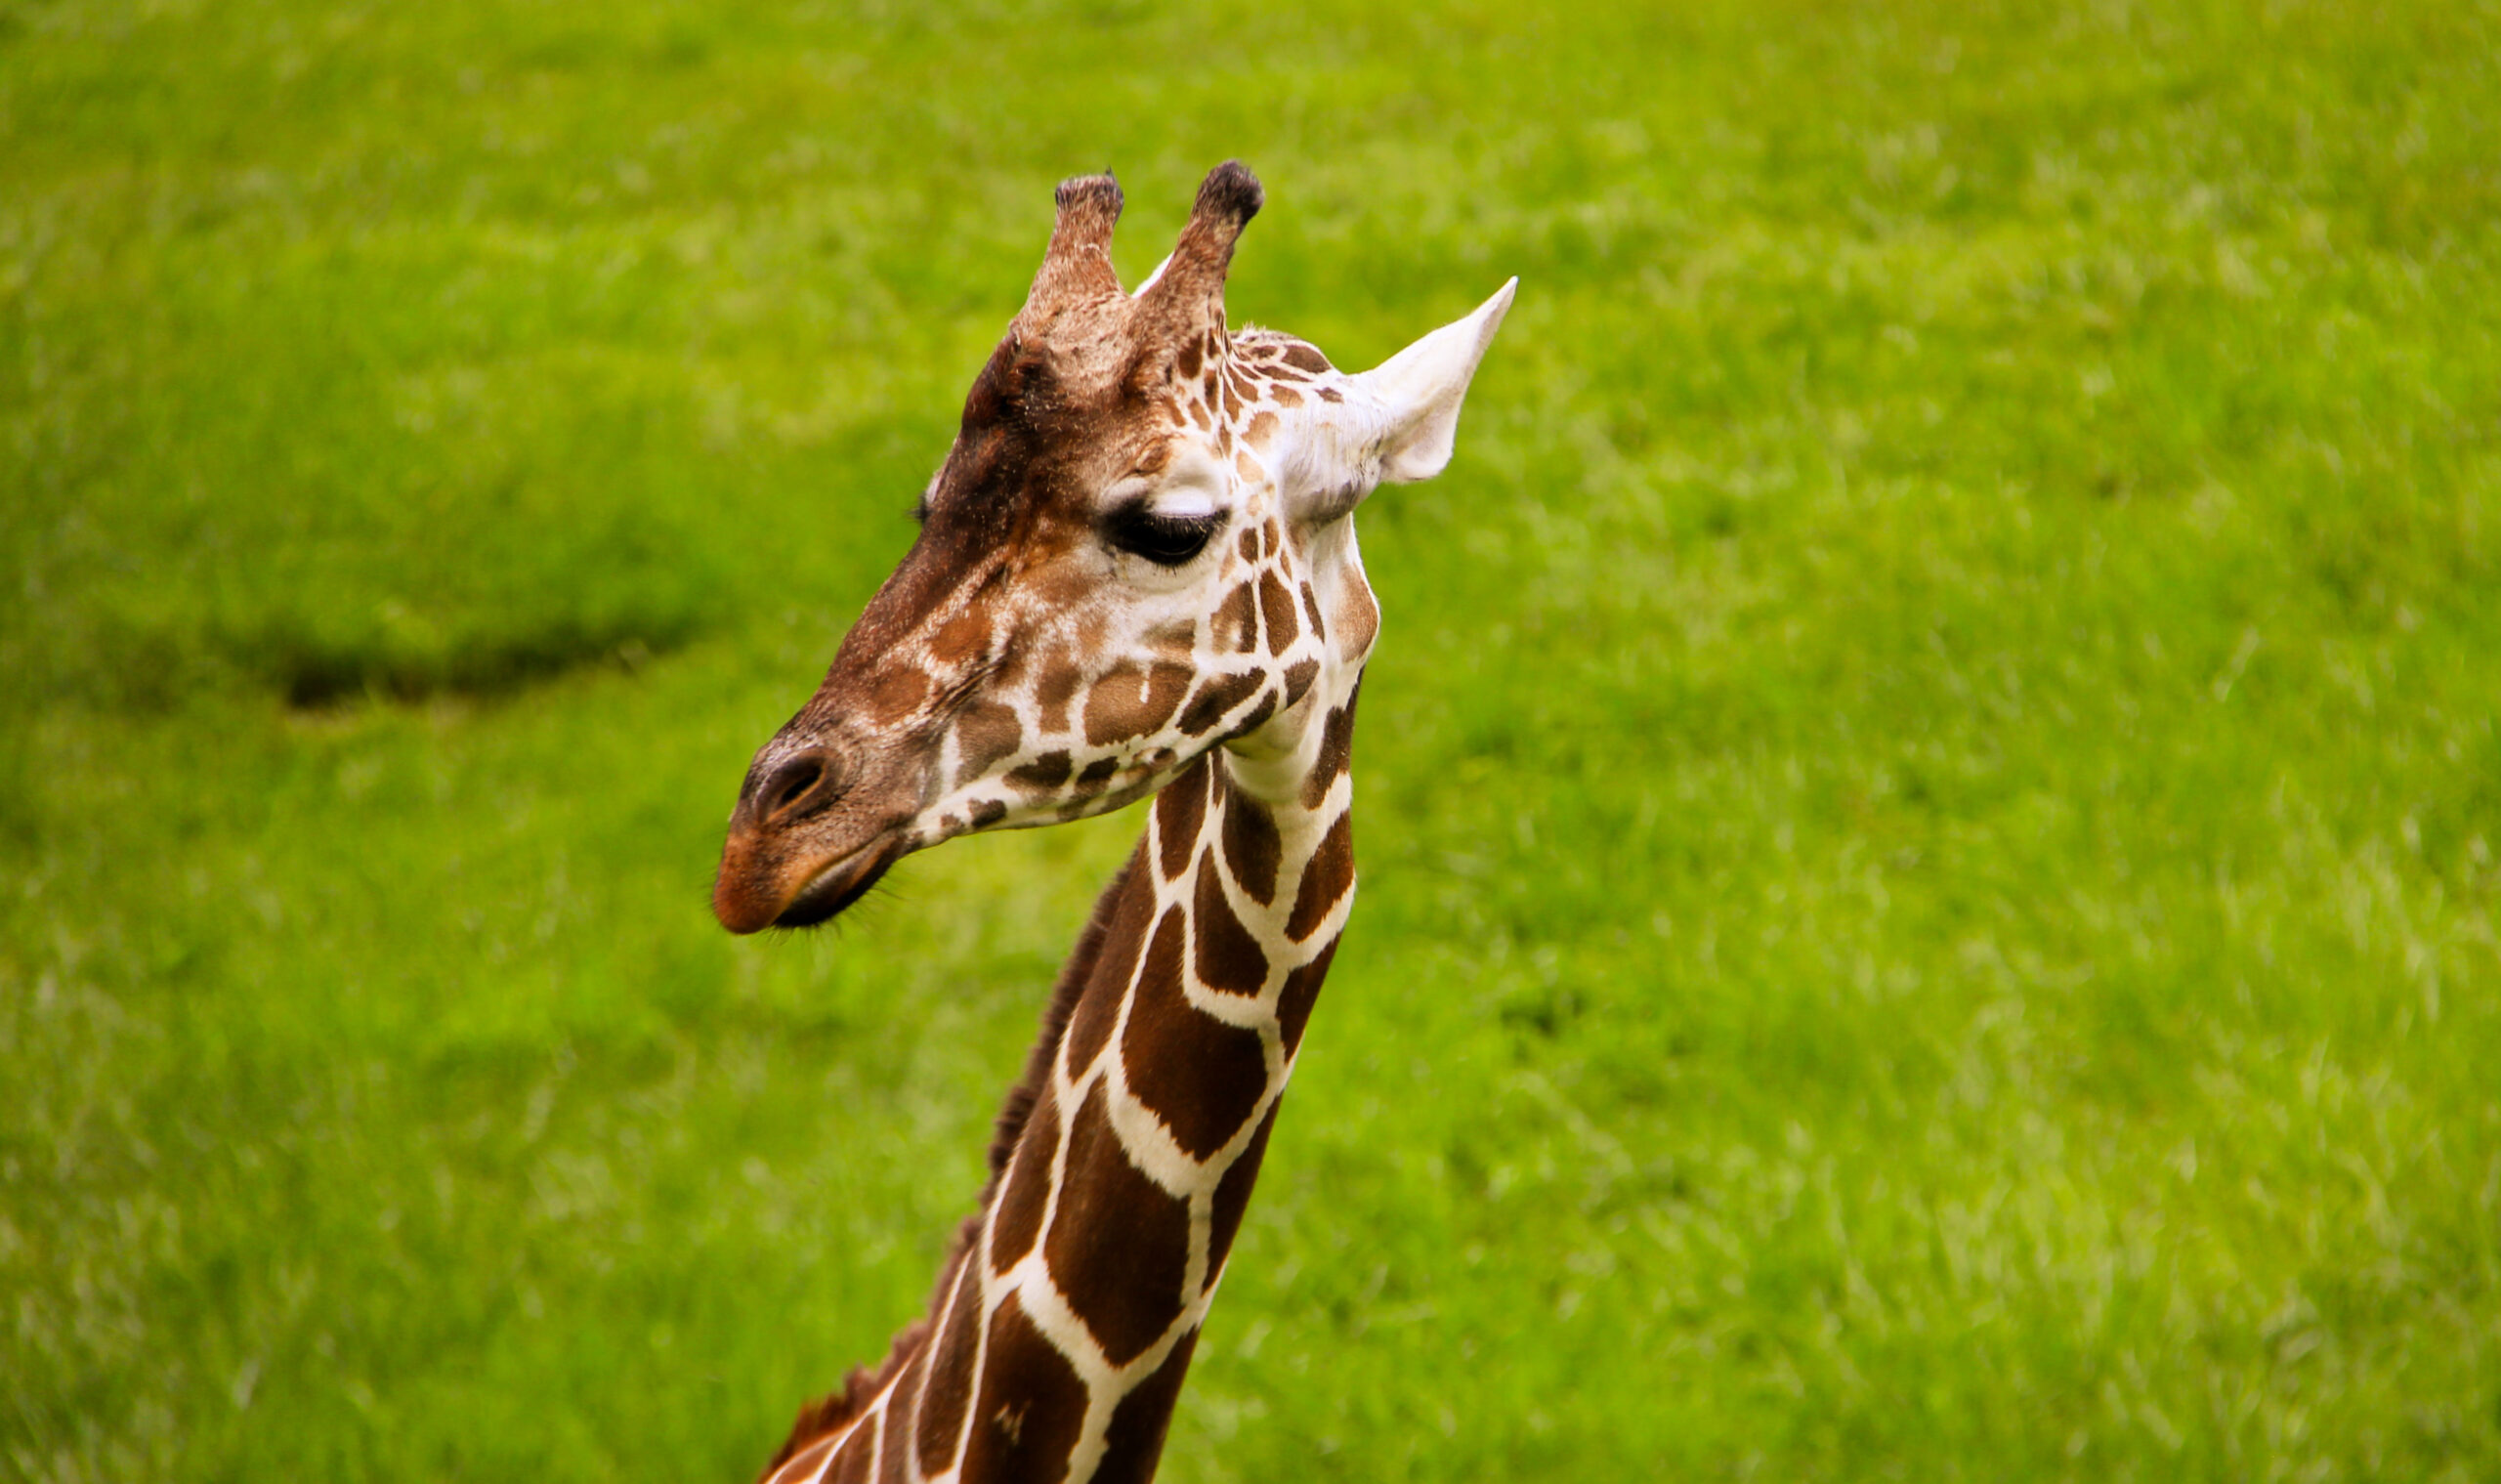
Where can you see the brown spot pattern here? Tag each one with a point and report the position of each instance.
(985, 732)
(1303, 355)
(1298, 678)
(1057, 689)
(1252, 846)
(1228, 959)
(1135, 1439)
(1044, 773)
(1233, 1195)
(962, 640)
(1263, 427)
(1285, 396)
(1177, 638)
(1302, 989)
(1277, 606)
(1127, 1287)
(1220, 694)
(948, 1380)
(1199, 1075)
(851, 1466)
(1337, 746)
(1358, 619)
(1237, 621)
(1258, 716)
(1131, 703)
(1032, 1405)
(1324, 878)
(1098, 1004)
(896, 694)
(1311, 611)
(1027, 1187)
(1180, 811)
(895, 1460)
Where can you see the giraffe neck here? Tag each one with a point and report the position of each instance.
(1064, 1318)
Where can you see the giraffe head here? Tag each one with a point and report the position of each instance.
(1138, 549)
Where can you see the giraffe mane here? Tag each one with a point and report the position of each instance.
(836, 1410)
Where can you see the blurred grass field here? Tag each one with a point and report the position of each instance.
(1928, 798)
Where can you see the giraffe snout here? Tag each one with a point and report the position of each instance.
(803, 842)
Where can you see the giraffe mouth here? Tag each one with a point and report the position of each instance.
(837, 886)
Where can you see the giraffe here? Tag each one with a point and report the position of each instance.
(1136, 575)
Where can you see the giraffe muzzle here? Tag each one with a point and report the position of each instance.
(801, 845)
(750, 896)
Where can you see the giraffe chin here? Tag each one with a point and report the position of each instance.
(836, 887)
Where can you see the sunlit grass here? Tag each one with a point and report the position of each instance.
(1928, 800)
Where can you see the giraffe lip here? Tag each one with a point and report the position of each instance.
(837, 885)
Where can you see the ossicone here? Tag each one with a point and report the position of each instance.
(1078, 265)
(1187, 297)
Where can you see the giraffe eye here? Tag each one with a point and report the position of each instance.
(1166, 540)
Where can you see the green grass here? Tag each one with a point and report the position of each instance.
(1928, 798)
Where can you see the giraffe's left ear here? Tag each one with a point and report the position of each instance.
(1421, 388)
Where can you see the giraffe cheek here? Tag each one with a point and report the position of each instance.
(1277, 606)
(1219, 696)
(1131, 702)
(1057, 689)
(963, 640)
(893, 696)
(1044, 774)
(1237, 622)
(985, 732)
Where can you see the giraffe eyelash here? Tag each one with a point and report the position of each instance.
(1166, 540)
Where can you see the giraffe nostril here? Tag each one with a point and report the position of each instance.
(795, 786)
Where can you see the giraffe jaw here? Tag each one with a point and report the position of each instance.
(837, 886)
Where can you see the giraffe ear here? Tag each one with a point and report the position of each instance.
(1418, 392)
